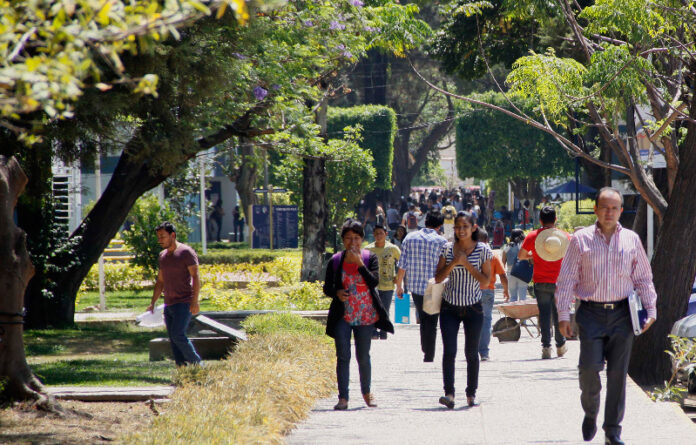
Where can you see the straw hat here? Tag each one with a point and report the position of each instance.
(551, 244)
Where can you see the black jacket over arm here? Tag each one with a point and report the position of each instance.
(334, 282)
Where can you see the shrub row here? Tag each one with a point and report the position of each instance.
(267, 385)
(235, 256)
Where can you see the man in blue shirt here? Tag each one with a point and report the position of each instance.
(420, 253)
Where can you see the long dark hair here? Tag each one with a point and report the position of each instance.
(469, 217)
(516, 236)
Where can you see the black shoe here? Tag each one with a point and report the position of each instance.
(589, 428)
(613, 440)
(447, 401)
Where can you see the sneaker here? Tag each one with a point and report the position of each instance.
(546, 353)
(470, 400)
(342, 405)
(485, 358)
(561, 350)
(448, 401)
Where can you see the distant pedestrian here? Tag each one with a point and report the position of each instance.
(238, 224)
(449, 212)
(393, 218)
(516, 287)
(388, 255)
(467, 264)
(399, 236)
(178, 278)
(605, 262)
(488, 298)
(546, 246)
(216, 216)
(419, 257)
(352, 277)
(410, 218)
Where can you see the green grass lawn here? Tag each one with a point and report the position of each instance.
(113, 354)
(125, 300)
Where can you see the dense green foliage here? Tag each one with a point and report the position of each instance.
(568, 220)
(491, 145)
(360, 135)
(141, 239)
(235, 256)
(378, 129)
(49, 50)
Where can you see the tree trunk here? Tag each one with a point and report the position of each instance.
(246, 176)
(315, 219)
(131, 178)
(674, 251)
(400, 177)
(18, 380)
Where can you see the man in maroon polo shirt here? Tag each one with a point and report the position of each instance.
(548, 256)
(178, 278)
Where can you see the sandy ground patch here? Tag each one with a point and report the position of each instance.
(84, 423)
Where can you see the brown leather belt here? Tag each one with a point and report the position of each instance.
(608, 306)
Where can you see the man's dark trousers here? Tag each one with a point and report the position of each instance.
(604, 334)
(548, 314)
(428, 329)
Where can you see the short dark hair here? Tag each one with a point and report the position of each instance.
(434, 219)
(379, 226)
(352, 225)
(547, 215)
(166, 225)
(609, 189)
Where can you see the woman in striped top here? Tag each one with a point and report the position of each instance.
(467, 263)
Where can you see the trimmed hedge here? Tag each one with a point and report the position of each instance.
(378, 131)
(253, 256)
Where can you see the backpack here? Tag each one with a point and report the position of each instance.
(412, 220)
(336, 259)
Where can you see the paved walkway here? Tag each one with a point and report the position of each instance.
(523, 400)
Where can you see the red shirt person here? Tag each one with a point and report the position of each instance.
(546, 246)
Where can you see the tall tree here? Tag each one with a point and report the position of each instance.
(636, 68)
(51, 49)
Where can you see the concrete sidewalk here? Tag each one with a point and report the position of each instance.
(522, 400)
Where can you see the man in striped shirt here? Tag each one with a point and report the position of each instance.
(420, 252)
(603, 265)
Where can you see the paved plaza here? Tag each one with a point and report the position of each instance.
(522, 400)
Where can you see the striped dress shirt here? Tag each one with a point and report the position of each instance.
(593, 270)
(463, 289)
(420, 252)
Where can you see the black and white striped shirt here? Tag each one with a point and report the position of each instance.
(463, 289)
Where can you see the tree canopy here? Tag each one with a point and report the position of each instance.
(491, 145)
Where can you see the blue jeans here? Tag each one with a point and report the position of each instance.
(386, 297)
(546, 301)
(516, 288)
(472, 319)
(487, 298)
(176, 318)
(363, 339)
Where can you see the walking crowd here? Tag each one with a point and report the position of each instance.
(442, 242)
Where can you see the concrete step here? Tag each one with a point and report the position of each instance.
(110, 393)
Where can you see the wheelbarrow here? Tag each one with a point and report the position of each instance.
(508, 328)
